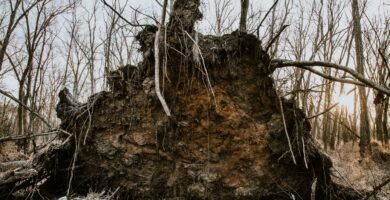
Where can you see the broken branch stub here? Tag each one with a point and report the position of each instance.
(67, 105)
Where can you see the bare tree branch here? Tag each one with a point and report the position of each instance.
(276, 37)
(146, 15)
(265, 16)
(21, 137)
(310, 64)
(323, 112)
(32, 112)
(332, 78)
(124, 19)
(384, 60)
(25, 106)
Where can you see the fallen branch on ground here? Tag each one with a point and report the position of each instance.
(5, 166)
(21, 137)
(377, 188)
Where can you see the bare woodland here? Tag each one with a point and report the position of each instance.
(191, 99)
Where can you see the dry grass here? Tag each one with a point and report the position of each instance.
(362, 174)
(94, 196)
(9, 152)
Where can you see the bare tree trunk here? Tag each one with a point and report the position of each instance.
(244, 13)
(379, 108)
(11, 27)
(327, 117)
(334, 133)
(386, 137)
(364, 121)
(381, 101)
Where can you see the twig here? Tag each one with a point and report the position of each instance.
(114, 193)
(203, 64)
(302, 90)
(323, 112)
(276, 37)
(120, 16)
(159, 3)
(265, 16)
(385, 62)
(88, 110)
(74, 159)
(346, 180)
(146, 15)
(304, 152)
(47, 143)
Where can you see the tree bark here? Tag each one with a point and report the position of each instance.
(244, 15)
(364, 125)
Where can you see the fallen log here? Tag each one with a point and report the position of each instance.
(25, 178)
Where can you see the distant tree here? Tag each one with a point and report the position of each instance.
(364, 120)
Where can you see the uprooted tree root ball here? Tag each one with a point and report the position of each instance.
(230, 136)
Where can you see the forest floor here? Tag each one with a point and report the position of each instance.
(361, 174)
(9, 152)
